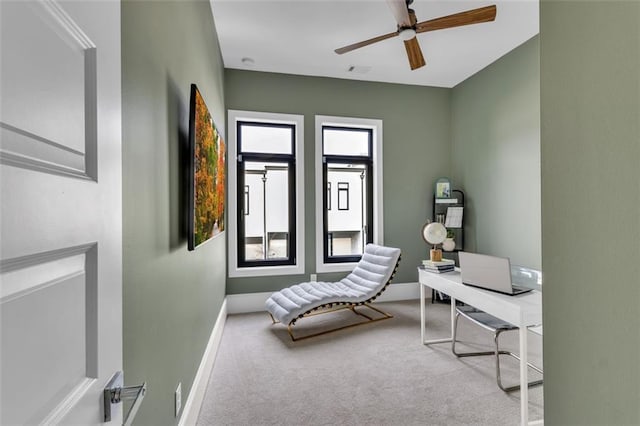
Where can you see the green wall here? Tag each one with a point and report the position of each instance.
(416, 151)
(495, 141)
(171, 296)
(590, 114)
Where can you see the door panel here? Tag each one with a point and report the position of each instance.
(49, 65)
(61, 214)
(55, 348)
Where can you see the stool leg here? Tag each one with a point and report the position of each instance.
(497, 352)
(511, 354)
(453, 342)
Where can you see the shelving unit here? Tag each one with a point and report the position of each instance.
(440, 209)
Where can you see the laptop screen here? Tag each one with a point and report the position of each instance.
(490, 272)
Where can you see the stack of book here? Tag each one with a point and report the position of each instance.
(444, 265)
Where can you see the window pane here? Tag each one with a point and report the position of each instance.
(268, 219)
(346, 224)
(346, 141)
(343, 195)
(246, 200)
(256, 137)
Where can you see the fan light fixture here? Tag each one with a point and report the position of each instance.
(407, 34)
(408, 26)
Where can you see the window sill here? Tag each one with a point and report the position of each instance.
(265, 271)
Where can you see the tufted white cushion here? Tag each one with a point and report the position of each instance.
(368, 278)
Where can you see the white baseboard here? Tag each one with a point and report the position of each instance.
(400, 291)
(248, 302)
(192, 406)
(254, 302)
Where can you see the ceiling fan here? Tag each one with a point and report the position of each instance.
(408, 27)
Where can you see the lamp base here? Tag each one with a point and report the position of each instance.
(435, 255)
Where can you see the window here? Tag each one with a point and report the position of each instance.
(265, 176)
(348, 158)
(343, 195)
(246, 200)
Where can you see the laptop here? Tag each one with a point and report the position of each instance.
(488, 272)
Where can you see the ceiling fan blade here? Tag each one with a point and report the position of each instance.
(364, 43)
(414, 53)
(473, 16)
(400, 11)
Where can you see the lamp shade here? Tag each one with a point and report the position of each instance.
(434, 233)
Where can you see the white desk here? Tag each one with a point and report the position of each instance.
(523, 311)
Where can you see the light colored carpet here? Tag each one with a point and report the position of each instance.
(376, 374)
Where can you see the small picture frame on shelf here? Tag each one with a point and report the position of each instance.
(443, 188)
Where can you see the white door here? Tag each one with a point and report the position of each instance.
(61, 221)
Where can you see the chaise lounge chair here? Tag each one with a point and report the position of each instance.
(367, 281)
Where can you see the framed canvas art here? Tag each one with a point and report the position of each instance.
(207, 174)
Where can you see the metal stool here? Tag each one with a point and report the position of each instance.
(496, 326)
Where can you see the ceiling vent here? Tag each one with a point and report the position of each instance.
(358, 69)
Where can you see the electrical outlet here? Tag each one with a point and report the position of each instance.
(314, 277)
(178, 396)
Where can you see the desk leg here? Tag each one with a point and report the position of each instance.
(453, 316)
(422, 313)
(524, 380)
(423, 318)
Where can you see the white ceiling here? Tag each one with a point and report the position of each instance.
(299, 37)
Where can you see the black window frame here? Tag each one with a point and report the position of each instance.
(290, 159)
(367, 161)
